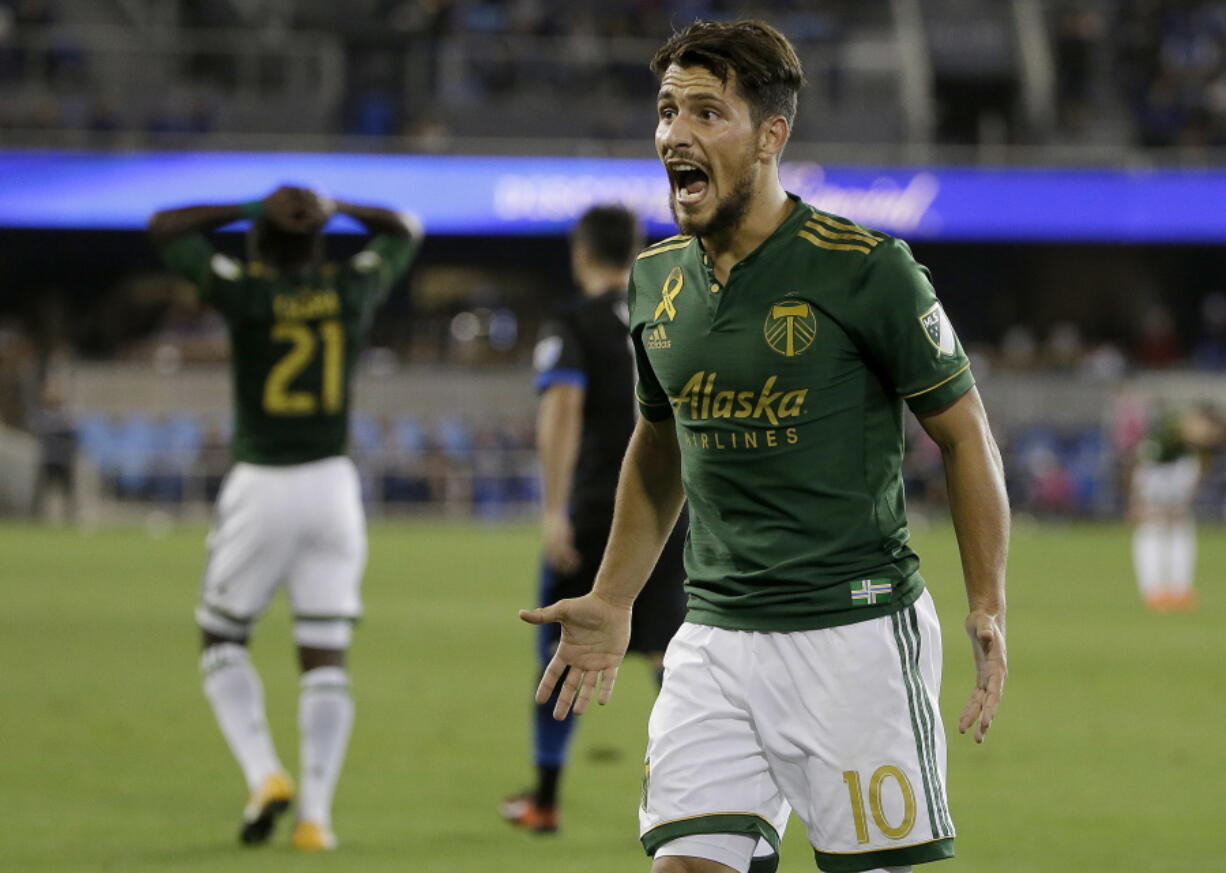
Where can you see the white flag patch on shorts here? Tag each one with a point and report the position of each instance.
(939, 330)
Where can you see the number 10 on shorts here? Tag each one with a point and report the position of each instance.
(875, 785)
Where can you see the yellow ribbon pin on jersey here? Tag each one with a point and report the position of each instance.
(669, 291)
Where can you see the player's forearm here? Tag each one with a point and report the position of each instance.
(376, 219)
(168, 225)
(979, 505)
(559, 426)
(649, 499)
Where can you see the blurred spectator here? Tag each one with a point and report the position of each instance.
(57, 437)
(1157, 344)
(1170, 68)
(18, 376)
(1078, 30)
(1064, 347)
(1018, 348)
(1209, 353)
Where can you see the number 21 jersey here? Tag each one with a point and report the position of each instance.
(294, 340)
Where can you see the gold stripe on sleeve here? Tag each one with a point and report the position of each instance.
(831, 234)
(662, 249)
(841, 225)
(833, 246)
(674, 238)
(939, 384)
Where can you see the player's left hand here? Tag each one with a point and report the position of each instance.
(595, 634)
(987, 633)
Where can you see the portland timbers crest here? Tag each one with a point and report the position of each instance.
(791, 327)
(939, 330)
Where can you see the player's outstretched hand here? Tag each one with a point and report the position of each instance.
(987, 633)
(595, 634)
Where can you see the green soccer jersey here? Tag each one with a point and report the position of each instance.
(1165, 443)
(787, 387)
(294, 341)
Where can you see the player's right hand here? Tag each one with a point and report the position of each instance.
(558, 544)
(595, 634)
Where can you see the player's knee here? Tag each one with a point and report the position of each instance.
(706, 853)
(677, 864)
(311, 658)
(327, 634)
(217, 628)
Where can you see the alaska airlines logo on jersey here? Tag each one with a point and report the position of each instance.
(657, 338)
(306, 305)
(791, 327)
(706, 401)
(668, 293)
(939, 329)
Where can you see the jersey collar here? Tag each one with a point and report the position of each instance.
(800, 213)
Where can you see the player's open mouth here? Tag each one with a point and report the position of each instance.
(690, 182)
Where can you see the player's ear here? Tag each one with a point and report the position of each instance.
(773, 135)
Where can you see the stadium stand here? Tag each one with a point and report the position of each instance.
(1045, 82)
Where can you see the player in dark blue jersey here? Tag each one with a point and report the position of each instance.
(585, 376)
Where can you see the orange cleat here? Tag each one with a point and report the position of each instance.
(311, 836)
(1184, 601)
(1159, 601)
(266, 805)
(523, 812)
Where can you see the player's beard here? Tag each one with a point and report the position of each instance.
(730, 210)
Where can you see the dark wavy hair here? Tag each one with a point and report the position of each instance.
(768, 72)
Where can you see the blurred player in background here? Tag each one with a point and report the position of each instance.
(776, 346)
(289, 511)
(585, 369)
(1163, 487)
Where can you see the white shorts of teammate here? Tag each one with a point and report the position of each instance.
(301, 526)
(841, 725)
(1166, 488)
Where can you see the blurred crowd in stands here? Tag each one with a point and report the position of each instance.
(1149, 72)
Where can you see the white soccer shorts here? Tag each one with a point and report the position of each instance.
(842, 725)
(1168, 487)
(301, 526)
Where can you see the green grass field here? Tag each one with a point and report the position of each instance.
(1107, 756)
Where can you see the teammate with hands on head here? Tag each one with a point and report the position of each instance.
(290, 511)
(777, 346)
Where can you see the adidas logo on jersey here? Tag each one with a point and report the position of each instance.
(657, 338)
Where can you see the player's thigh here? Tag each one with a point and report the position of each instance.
(249, 548)
(706, 772)
(851, 724)
(325, 577)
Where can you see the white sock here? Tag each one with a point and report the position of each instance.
(325, 718)
(233, 688)
(1149, 558)
(1181, 556)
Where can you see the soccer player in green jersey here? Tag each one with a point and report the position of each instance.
(290, 509)
(1162, 489)
(777, 348)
